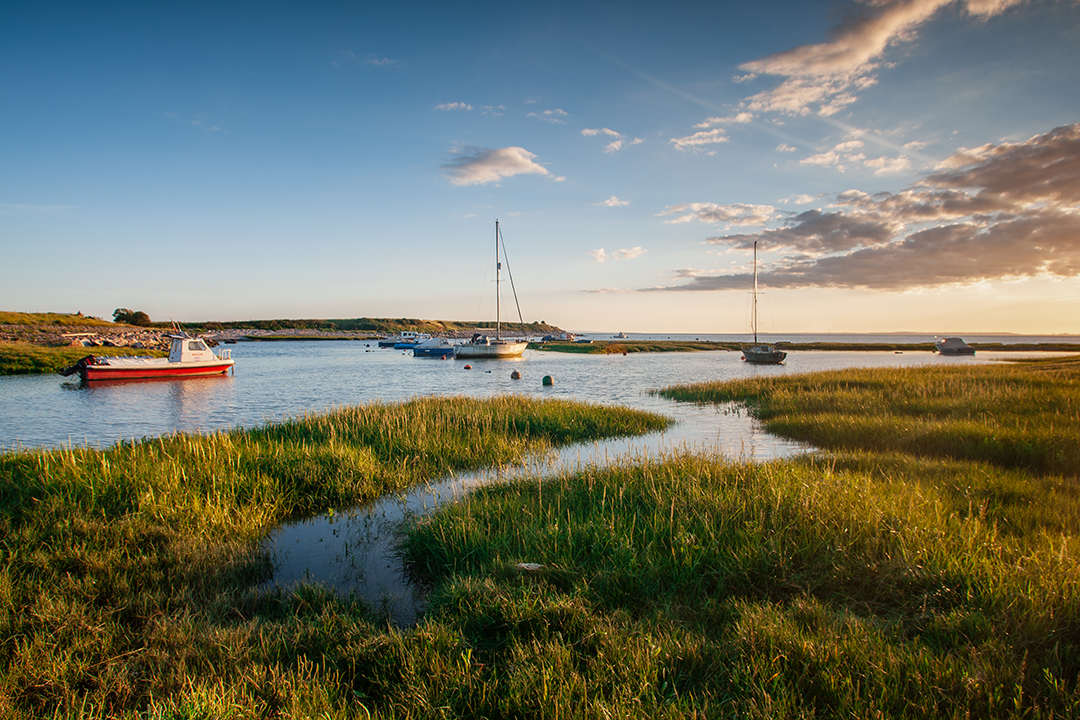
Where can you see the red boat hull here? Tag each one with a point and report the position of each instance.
(105, 372)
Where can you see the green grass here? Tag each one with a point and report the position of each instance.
(882, 578)
(128, 575)
(599, 347)
(18, 358)
(61, 319)
(605, 347)
(889, 577)
(804, 589)
(1024, 415)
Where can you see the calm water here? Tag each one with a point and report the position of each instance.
(353, 550)
(282, 379)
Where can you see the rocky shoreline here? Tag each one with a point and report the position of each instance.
(158, 338)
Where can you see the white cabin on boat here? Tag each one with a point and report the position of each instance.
(188, 349)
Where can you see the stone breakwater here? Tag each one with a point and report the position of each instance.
(92, 336)
(158, 338)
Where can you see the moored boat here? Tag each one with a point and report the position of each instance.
(760, 353)
(406, 336)
(482, 346)
(409, 343)
(434, 347)
(953, 346)
(188, 357)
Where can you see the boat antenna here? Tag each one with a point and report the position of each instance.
(511, 274)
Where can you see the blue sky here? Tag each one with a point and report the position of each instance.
(904, 165)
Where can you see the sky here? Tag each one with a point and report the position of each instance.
(901, 165)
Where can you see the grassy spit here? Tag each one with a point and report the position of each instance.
(623, 347)
(18, 358)
(127, 575)
(926, 567)
(599, 347)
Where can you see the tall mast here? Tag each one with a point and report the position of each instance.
(498, 267)
(754, 323)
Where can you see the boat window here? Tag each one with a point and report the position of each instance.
(196, 345)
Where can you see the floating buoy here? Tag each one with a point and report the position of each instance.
(548, 381)
(468, 367)
(515, 375)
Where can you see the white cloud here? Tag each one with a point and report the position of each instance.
(799, 200)
(589, 132)
(381, 62)
(699, 140)
(739, 214)
(628, 253)
(784, 147)
(888, 166)
(479, 166)
(613, 202)
(615, 145)
(843, 155)
(454, 106)
(1000, 211)
(552, 116)
(740, 118)
(826, 77)
(600, 255)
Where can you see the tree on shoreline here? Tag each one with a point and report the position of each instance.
(131, 317)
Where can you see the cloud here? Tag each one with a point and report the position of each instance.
(454, 106)
(741, 214)
(381, 62)
(599, 255)
(1000, 211)
(628, 253)
(615, 145)
(844, 155)
(699, 140)
(479, 166)
(784, 147)
(740, 118)
(552, 116)
(613, 202)
(46, 209)
(826, 77)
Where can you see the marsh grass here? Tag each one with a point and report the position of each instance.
(19, 358)
(1023, 416)
(810, 588)
(127, 574)
(8, 317)
(887, 577)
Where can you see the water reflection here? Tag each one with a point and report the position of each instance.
(353, 552)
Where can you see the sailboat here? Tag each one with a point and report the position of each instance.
(760, 353)
(482, 346)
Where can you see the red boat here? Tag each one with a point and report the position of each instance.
(188, 357)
